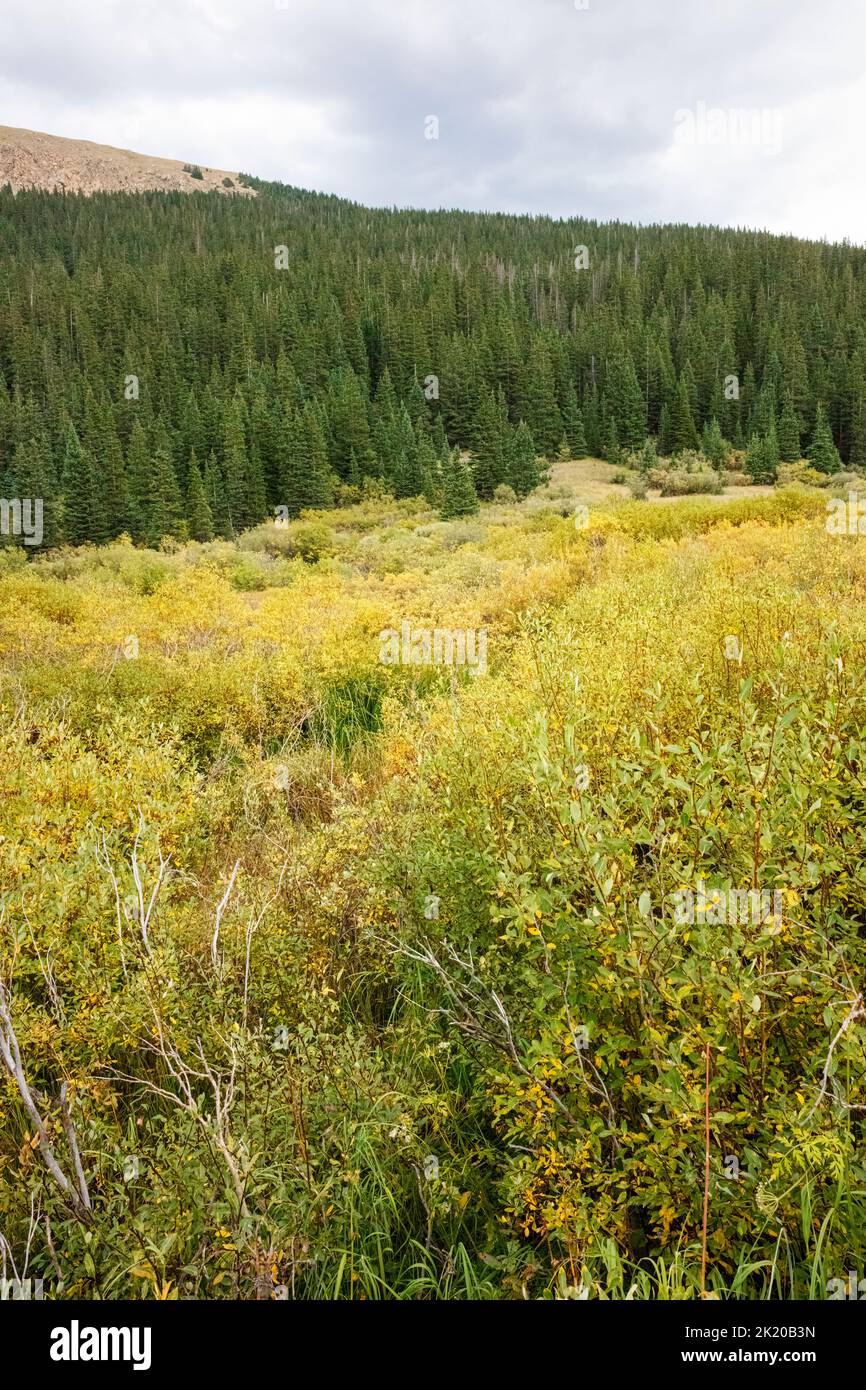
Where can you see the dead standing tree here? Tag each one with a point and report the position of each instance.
(72, 1183)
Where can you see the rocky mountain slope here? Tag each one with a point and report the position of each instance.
(32, 159)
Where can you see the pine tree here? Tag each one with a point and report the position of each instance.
(198, 513)
(714, 446)
(138, 481)
(823, 454)
(440, 439)
(857, 450)
(79, 493)
(215, 494)
(30, 481)
(234, 466)
(665, 428)
(789, 433)
(681, 432)
(625, 401)
(427, 466)
(649, 458)
(771, 452)
(538, 398)
(573, 424)
(593, 425)
(458, 490)
(762, 457)
(489, 462)
(523, 466)
(99, 439)
(315, 460)
(165, 509)
(756, 459)
(612, 451)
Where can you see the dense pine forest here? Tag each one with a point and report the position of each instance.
(181, 365)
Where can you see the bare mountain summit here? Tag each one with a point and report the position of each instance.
(31, 159)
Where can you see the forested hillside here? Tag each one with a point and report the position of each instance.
(176, 364)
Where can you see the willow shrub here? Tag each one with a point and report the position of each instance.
(693, 723)
(450, 1039)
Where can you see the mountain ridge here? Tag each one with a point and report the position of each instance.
(37, 159)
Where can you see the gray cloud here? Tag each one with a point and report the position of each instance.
(542, 107)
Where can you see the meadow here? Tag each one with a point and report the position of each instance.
(331, 978)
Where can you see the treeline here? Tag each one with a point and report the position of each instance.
(167, 368)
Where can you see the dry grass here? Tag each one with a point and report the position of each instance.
(589, 481)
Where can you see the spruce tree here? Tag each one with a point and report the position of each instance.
(538, 399)
(427, 465)
(317, 479)
(789, 433)
(822, 453)
(681, 431)
(215, 494)
(762, 457)
(713, 445)
(489, 461)
(198, 513)
(29, 480)
(138, 481)
(625, 401)
(523, 466)
(79, 493)
(612, 451)
(234, 467)
(857, 450)
(165, 508)
(771, 452)
(458, 490)
(573, 424)
(649, 458)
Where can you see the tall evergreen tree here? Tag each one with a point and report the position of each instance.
(626, 402)
(538, 398)
(713, 445)
(458, 490)
(573, 425)
(165, 507)
(823, 454)
(681, 431)
(789, 433)
(198, 513)
(612, 450)
(523, 466)
(490, 462)
(79, 492)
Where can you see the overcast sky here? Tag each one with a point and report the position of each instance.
(624, 109)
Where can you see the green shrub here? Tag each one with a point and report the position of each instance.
(678, 483)
(800, 472)
(692, 461)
